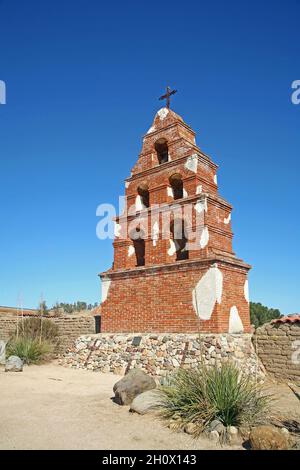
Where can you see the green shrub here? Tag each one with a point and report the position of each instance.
(201, 395)
(38, 328)
(31, 351)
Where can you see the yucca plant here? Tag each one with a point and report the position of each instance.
(31, 351)
(203, 394)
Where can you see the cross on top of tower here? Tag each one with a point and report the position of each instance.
(167, 96)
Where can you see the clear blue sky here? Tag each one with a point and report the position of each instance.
(83, 78)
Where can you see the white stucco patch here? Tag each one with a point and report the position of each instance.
(216, 179)
(192, 163)
(169, 191)
(130, 250)
(235, 322)
(117, 229)
(127, 183)
(152, 129)
(199, 189)
(162, 113)
(201, 206)
(105, 284)
(207, 292)
(204, 237)
(155, 233)
(139, 206)
(172, 249)
(185, 193)
(227, 219)
(246, 290)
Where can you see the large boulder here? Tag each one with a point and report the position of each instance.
(268, 438)
(146, 402)
(2, 352)
(134, 383)
(14, 364)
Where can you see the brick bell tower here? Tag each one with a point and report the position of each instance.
(174, 269)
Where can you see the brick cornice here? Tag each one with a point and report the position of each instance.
(186, 265)
(171, 164)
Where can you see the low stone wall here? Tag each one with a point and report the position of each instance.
(70, 327)
(278, 346)
(159, 354)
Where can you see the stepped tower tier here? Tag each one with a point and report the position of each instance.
(174, 269)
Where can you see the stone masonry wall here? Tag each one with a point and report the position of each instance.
(70, 327)
(159, 354)
(278, 347)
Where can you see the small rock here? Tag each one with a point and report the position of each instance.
(268, 438)
(232, 434)
(191, 428)
(232, 430)
(285, 431)
(134, 383)
(214, 436)
(216, 425)
(146, 402)
(14, 364)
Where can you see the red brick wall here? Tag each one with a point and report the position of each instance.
(160, 300)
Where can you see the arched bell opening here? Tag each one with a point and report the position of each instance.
(143, 192)
(177, 229)
(161, 148)
(176, 185)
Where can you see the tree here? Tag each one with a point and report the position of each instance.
(42, 308)
(259, 314)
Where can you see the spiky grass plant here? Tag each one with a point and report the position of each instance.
(203, 394)
(30, 350)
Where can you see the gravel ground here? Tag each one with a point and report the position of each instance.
(52, 407)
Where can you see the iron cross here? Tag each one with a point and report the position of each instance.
(167, 96)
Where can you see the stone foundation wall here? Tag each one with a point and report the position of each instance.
(159, 354)
(70, 327)
(278, 346)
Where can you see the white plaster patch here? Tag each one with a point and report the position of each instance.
(204, 238)
(172, 249)
(216, 179)
(185, 193)
(163, 113)
(152, 129)
(246, 290)
(227, 219)
(199, 189)
(235, 322)
(105, 284)
(192, 163)
(130, 250)
(201, 206)
(139, 206)
(117, 229)
(155, 233)
(170, 191)
(207, 292)
(127, 183)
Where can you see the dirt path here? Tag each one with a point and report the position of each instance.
(51, 407)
